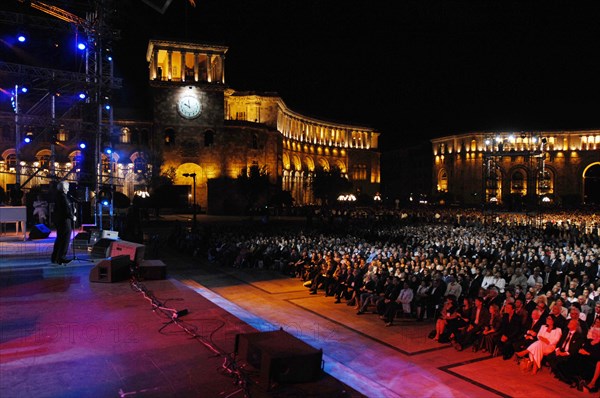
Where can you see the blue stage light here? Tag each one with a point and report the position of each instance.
(108, 151)
(109, 58)
(21, 38)
(27, 140)
(82, 96)
(82, 145)
(81, 46)
(24, 89)
(107, 107)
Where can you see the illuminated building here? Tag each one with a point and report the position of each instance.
(201, 126)
(518, 169)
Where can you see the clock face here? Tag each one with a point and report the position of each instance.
(189, 107)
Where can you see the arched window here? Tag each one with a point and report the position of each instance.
(518, 183)
(125, 135)
(442, 184)
(209, 138)
(11, 161)
(169, 137)
(139, 165)
(545, 182)
(135, 136)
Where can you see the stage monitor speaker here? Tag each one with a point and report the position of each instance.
(110, 270)
(152, 270)
(279, 357)
(135, 251)
(81, 240)
(39, 231)
(101, 248)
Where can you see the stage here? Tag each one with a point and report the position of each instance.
(63, 335)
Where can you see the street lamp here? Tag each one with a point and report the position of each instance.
(193, 175)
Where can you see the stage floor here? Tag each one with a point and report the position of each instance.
(63, 336)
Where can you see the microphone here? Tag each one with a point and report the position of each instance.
(73, 198)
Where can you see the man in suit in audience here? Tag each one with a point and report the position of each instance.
(567, 347)
(480, 317)
(510, 331)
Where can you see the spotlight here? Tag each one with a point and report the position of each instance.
(107, 107)
(105, 197)
(21, 38)
(81, 46)
(24, 89)
(82, 145)
(28, 137)
(108, 150)
(109, 58)
(82, 95)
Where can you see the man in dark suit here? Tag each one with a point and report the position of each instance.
(63, 217)
(510, 331)
(567, 347)
(436, 295)
(480, 317)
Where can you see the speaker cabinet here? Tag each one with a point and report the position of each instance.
(101, 248)
(135, 251)
(279, 357)
(110, 270)
(81, 240)
(152, 270)
(39, 231)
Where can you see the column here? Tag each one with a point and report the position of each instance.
(208, 68)
(154, 64)
(169, 64)
(222, 58)
(196, 75)
(183, 66)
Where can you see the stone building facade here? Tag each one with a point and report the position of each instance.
(516, 169)
(199, 127)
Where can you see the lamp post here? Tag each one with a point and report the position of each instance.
(193, 175)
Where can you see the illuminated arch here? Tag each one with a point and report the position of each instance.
(324, 164)
(187, 168)
(297, 163)
(591, 183)
(442, 181)
(340, 165)
(546, 181)
(286, 161)
(8, 152)
(309, 163)
(43, 157)
(518, 181)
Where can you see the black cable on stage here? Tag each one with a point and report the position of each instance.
(229, 366)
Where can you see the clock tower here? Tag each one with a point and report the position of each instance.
(187, 82)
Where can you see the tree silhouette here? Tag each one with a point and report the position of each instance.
(253, 185)
(327, 185)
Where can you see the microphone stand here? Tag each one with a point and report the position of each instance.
(74, 204)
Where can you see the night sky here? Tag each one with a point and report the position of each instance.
(411, 69)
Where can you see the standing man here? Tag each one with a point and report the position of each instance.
(63, 216)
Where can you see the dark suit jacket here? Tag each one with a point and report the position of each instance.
(511, 327)
(576, 343)
(484, 318)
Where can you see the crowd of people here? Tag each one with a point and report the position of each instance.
(525, 289)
